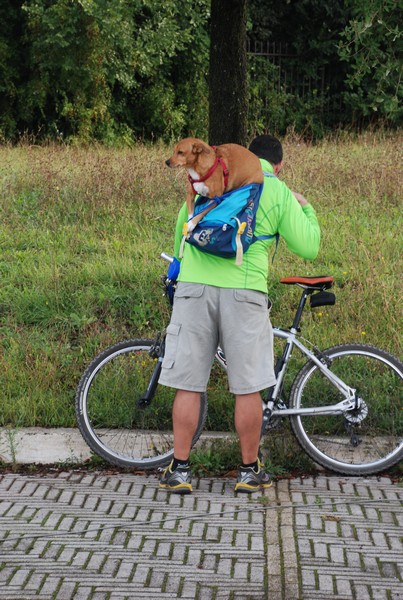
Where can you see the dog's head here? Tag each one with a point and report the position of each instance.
(187, 153)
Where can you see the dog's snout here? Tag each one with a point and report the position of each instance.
(168, 162)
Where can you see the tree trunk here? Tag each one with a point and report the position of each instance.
(228, 100)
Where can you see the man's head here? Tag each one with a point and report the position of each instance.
(269, 148)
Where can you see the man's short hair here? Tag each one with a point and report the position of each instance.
(267, 147)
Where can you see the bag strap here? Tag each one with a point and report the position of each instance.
(275, 235)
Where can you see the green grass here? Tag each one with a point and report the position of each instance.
(80, 238)
(280, 452)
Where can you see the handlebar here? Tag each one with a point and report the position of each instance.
(167, 257)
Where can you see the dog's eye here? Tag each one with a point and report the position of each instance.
(180, 152)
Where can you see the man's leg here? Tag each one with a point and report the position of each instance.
(185, 414)
(248, 424)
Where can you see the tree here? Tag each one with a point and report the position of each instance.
(79, 51)
(228, 93)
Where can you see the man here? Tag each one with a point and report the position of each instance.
(220, 303)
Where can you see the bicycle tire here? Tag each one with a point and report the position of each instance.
(108, 415)
(329, 440)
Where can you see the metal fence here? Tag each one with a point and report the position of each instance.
(276, 73)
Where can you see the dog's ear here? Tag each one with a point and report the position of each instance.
(199, 147)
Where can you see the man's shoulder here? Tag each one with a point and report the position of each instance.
(274, 189)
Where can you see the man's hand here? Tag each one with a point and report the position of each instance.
(303, 201)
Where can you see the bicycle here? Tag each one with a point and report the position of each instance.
(345, 404)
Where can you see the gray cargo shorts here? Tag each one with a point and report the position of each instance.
(205, 317)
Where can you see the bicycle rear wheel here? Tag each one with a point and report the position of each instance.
(358, 442)
(108, 414)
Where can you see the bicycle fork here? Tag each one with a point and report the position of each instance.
(156, 351)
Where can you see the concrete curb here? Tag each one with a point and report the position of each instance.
(35, 445)
(65, 446)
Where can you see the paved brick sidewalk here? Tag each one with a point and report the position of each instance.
(140, 542)
(349, 533)
(79, 535)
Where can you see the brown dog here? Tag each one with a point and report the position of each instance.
(213, 170)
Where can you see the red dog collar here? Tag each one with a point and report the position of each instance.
(217, 161)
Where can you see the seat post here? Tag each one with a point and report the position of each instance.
(300, 309)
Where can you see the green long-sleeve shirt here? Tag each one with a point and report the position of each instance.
(278, 212)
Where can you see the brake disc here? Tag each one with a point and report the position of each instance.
(356, 415)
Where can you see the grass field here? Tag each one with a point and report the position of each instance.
(80, 238)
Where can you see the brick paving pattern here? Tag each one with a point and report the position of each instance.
(139, 541)
(349, 533)
(79, 535)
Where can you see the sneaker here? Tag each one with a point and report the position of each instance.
(249, 480)
(178, 481)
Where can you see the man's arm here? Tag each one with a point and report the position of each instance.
(182, 218)
(299, 225)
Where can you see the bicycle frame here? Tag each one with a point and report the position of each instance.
(291, 340)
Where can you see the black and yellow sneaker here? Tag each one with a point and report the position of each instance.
(177, 481)
(250, 480)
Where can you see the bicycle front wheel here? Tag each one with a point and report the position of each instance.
(358, 442)
(111, 419)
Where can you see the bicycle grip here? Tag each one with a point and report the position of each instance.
(167, 257)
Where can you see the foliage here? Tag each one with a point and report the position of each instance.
(277, 109)
(280, 453)
(96, 68)
(173, 45)
(119, 70)
(372, 45)
(301, 83)
(12, 65)
(349, 53)
(216, 457)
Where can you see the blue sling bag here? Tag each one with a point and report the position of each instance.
(228, 229)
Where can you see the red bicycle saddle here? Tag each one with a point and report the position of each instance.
(323, 281)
